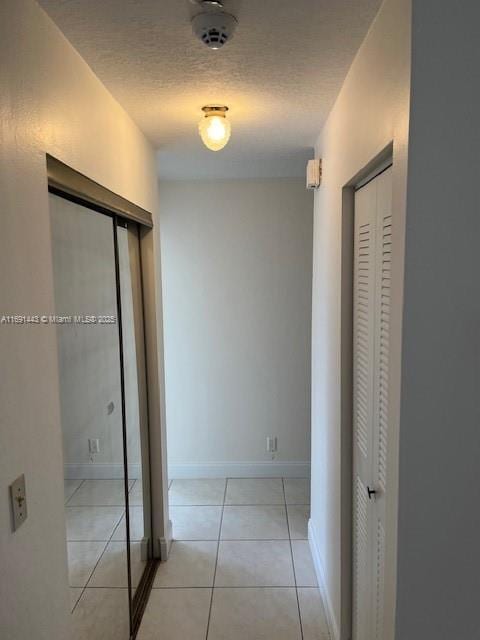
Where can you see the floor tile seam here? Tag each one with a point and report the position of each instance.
(216, 560)
(229, 539)
(99, 506)
(98, 562)
(254, 478)
(92, 588)
(81, 483)
(104, 543)
(104, 540)
(236, 478)
(226, 504)
(254, 586)
(254, 540)
(226, 586)
(294, 569)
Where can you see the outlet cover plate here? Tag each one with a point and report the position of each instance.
(18, 499)
(272, 444)
(94, 445)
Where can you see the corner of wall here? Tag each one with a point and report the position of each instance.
(333, 625)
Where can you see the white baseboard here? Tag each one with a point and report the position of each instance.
(317, 562)
(100, 471)
(269, 469)
(164, 544)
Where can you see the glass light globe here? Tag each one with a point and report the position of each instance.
(214, 129)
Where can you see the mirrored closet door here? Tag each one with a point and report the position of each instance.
(99, 324)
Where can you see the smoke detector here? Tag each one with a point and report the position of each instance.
(213, 26)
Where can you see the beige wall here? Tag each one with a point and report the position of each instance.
(50, 102)
(89, 364)
(236, 263)
(371, 111)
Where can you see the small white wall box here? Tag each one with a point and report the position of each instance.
(314, 173)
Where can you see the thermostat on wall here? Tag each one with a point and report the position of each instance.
(314, 173)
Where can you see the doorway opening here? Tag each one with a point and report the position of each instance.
(366, 301)
(236, 270)
(371, 337)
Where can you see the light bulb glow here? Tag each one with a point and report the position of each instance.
(214, 130)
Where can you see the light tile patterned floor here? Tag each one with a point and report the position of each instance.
(240, 565)
(95, 518)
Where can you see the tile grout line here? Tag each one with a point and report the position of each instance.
(240, 478)
(243, 504)
(107, 542)
(93, 588)
(293, 561)
(216, 559)
(219, 539)
(84, 587)
(81, 483)
(99, 506)
(231, 539)
(244, 586)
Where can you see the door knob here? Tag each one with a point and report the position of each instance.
(371, 492)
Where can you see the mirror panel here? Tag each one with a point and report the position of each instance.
(96, 486)
(135, 400)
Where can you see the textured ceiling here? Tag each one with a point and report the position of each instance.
(279, 74)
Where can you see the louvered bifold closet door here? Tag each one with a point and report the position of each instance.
(383, 272)
(363, 407)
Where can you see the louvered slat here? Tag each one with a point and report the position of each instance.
(383, 355)
(362, 335)
(360, 538)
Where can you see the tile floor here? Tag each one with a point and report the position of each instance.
(95, 518)
(240, 564)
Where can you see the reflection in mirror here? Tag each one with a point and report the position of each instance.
(91, 418)
(135, 398)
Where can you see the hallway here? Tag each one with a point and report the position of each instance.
(246, 538)
(239, 321)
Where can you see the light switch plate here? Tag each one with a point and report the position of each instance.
(19, 502)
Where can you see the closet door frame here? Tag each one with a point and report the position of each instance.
(342, 628)
(372, 311)
(67, 183)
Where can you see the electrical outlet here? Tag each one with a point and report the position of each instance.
(271, 444)
(94, 445)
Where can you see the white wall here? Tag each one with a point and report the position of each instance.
(439, 516)
(236, 264)
(370, 112)
(50, 101)
(89, 360)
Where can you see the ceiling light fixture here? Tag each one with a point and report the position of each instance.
(214, 127)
